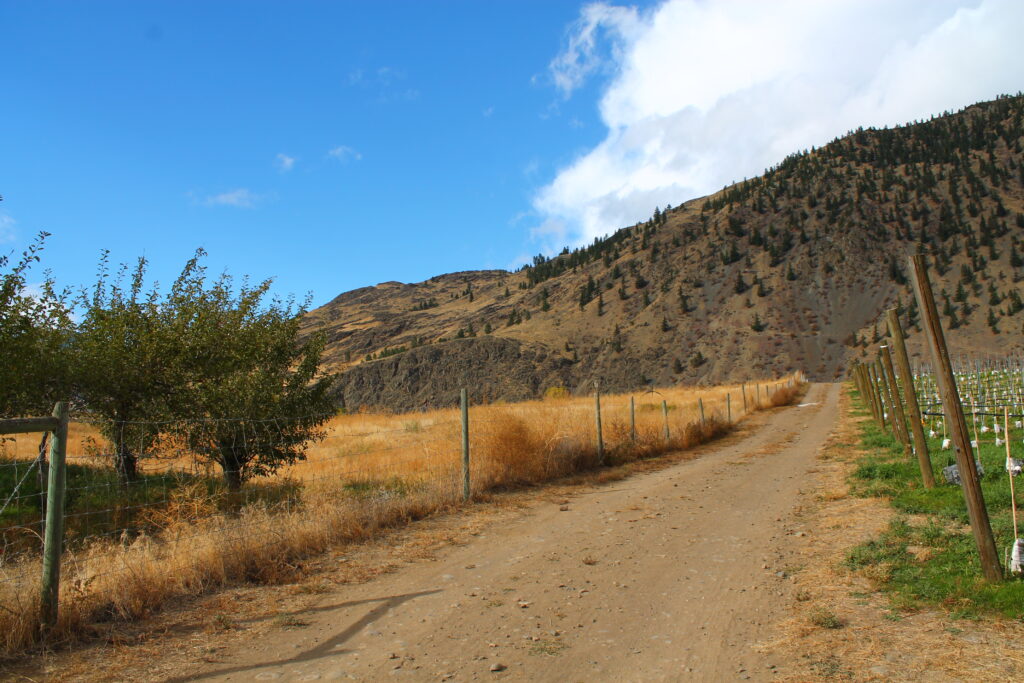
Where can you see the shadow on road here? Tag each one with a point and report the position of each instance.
(329, 647)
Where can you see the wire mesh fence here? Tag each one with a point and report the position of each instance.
(184, 522)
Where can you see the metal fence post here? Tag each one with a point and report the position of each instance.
(53, 541)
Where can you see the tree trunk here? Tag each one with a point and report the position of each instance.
(232, 464)
(126, 464)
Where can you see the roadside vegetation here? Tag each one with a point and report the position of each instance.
(927, 556)
(185, 532)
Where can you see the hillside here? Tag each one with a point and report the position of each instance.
(790, 270)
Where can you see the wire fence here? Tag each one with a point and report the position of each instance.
(183, 523)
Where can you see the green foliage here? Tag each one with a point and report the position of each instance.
(34, 331)
(949, 572)
(741, 284)
(224, 369)
(424, 304)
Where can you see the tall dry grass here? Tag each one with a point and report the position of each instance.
(372, 472)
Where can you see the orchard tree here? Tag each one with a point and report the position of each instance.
(257, 394)
(221, 370)
(129, 364)
(35, 327)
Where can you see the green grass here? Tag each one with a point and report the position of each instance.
(97, 505)
(950, 575)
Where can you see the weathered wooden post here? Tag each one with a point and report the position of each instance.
(893, 391)
(728, 407)
(700, 404)
(53, 540)
(924, 461)
(976, 511)
(664, 414)
(869, 395)
(743, 390)
(464, 406)
(876, 394)
(597, 421)
(632, 419)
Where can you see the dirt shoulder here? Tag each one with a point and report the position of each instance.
(840, 628)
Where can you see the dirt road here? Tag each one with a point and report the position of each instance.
(668, 575)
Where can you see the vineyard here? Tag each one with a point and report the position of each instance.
(974, 417)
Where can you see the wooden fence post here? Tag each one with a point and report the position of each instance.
(728, 407)
(743, 389)
(53, 541)
(893, 391)
(700, 404)
(464, 406)
(876, 395)
(597, 421)
(869, 394)
(924, 461)
(664, 413)
(976, 511)
(632, 419)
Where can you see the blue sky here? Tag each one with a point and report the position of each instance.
(329, 145)
(333, 145)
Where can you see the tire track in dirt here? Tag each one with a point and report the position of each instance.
(668, 575)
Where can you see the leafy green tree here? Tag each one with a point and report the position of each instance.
(256, 384)
(128, 360)
(225, 372)
(34, 331)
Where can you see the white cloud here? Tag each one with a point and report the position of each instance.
(284, 162)
(699, 94)
(241, 198)
(387, 82)
(344, 153)
(7, 224)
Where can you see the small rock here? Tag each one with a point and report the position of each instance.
(498, 666)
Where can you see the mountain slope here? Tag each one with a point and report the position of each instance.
(791, 270)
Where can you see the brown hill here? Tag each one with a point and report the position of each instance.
(791, 270)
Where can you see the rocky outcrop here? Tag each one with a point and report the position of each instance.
(492, 368)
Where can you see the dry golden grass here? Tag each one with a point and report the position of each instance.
(372, 472)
